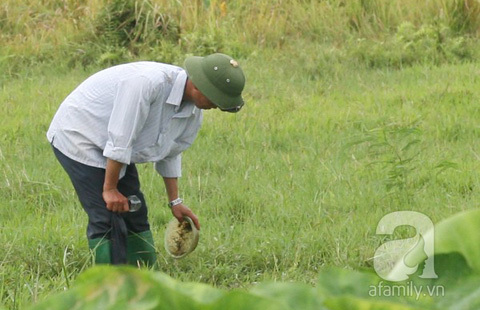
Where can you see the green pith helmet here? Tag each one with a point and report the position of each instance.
(219, 78)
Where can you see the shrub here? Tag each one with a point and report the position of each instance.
(431, 43)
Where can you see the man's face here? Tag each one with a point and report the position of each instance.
(202, 102)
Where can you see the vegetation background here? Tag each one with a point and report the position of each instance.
(354, 109)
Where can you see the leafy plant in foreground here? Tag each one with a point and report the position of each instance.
(457, 258)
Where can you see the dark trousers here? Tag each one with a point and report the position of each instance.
(88, 183)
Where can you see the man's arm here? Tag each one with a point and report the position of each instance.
(115, 201)
(180, 210)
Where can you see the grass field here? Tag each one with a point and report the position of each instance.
(294, 183)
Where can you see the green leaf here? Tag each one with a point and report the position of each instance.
(456, 262)
(291, 295)
(464, 294)
(457, 234)
(337, 282)
(108, 287)
(347, 289)
(354, 303)
(239, 300)
(202, 293)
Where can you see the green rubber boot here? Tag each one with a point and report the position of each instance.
(101, 249)
(140, 249)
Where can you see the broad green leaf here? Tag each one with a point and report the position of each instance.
(457, 234)
(464, 294)
(291, 295)
(240, 300)
(335, 282)
(456, 262)
(202, 293)
(108, 287)
(348, 289)
(354, 303)
(457, 286)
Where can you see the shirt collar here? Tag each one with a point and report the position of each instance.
(176, 95)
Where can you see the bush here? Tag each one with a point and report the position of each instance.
(409, 45)
(374, 33)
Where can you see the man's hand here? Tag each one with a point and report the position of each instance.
(181, 210)
(115, 201)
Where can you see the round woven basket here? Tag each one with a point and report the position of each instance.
(181, 238)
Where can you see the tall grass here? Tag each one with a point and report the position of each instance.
(50, 19)
(111, 31)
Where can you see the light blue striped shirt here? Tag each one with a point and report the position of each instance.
(131, 113)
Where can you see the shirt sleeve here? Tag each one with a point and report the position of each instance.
(130, 110)
(170, 167)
